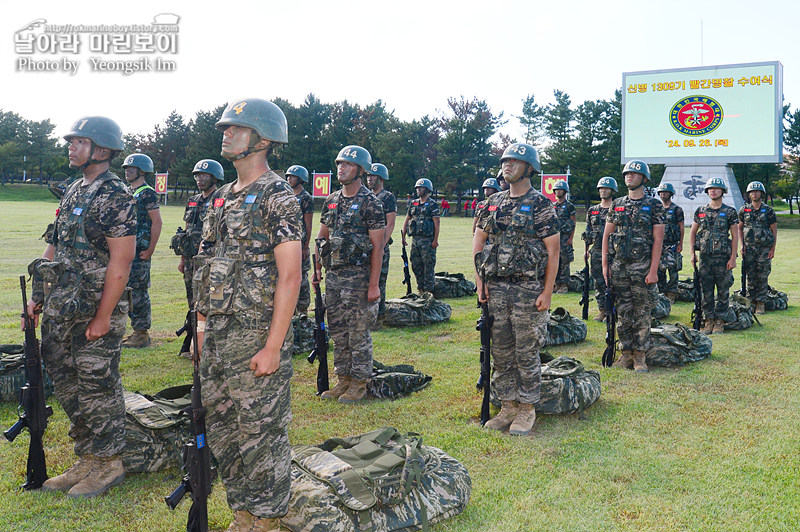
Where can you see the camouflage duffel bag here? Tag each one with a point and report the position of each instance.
(675, 345)
(452, 285)
(155, 429)
(416, 309)
(391, 382)
(563, 328)
(662, 307)
(12, 373)
(776, 300)
(575, 282)
(382, 481)
(303, 328)
(686, 290)
(739, 317)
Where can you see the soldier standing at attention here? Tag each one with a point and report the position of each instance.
(422, 223)
(297, 176)
(207, 174)
(634, 234)
(246, 294)
(515, 250)
(78, 286)
(490, 186)
(715, 234)
(593, 240)
(351, 237)
(758, 232)
(375, 179)
(565, 211)
(148, 228)
(673, 243)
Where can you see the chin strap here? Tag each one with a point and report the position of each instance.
(92, 160)
(251, 148)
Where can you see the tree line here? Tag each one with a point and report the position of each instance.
(456, 148)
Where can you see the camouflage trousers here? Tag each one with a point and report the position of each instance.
(518, 333)
(423, 262)
(759, 266)
(139, 283)
(304, 299)
(87, 382)
(633, 299)
(248, 416)
(565, 257)
(596, 269)
(350, 317)
(382, 281)
(714, 274)
(668, 269)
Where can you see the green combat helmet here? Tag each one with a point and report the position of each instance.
(356, 155)
(102, 131)
(607, 182)
(525, 153)
(209, 166)
(491, 183)
(715, 182)
(759, 186)
(666, 187)
(263, 117)
(638, 167)
(300, 172)
(561, 185)
(424, 183)
(140, 161)
(379, 170)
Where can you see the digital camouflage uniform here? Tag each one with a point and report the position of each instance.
(515, 259)
(632, 245)
(423, 254)
(713, 242)
(758, 240)
(306, 206)
(389, 203)
(593, 236)
(139, 279)
(346, 257)
(671, 261)
(566, 225)
(235, 278)
(86, 373)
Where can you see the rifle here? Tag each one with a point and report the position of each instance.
(744, 275)
(697, 311)
(198, 474)
(31, 403)
(320, 350)
(187, 325)
(484, 325)
(585, 299)
(611, 325)
(406, 273)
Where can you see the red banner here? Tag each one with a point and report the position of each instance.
(548, 181)
(161, 183)
(321, 184)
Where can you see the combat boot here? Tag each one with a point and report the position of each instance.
(71, 476)
(105, 473)
(339, 389)
(625, 361)
(137, 340)
(760, 308)
(601, 316)
(242, 521)
(523, 423)
(708, 327)
(267, 525)
(639, 362)
(719, 327)
(356, 392)
(504, 418)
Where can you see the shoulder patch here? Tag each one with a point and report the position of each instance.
(219, 202)
(492, 208)
(701, 215)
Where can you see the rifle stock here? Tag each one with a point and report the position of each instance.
(611, 325)
(697, 311)
(31, 403)
(406, 272)
(744, 275)
(320, 351)
(484, 325)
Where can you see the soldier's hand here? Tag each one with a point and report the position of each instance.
(33, 312)
(771, 254)
(145, 254)
(373, 293)
(652, 278)
(483, 291)
(543, 301)
(731, 264)
(306, 253)
(679, 248)
(97, 328)
(435, 244)
(694, 258)
(264, 362)
(182, 265)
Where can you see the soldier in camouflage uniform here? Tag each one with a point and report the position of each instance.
(375, 180)
(593, 240)
(148, 228)
(247, 280)
(351, 237)
(715, 234)
(422, 223)
(297, 176)
(633, 235)
(565, 212)
(490, 186)
(207, 174)
(515, 247)
(78, 285)
(671, 261)
(758, 232)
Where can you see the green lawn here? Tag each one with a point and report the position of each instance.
(712, 446)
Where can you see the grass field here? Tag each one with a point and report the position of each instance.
(712, 446)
